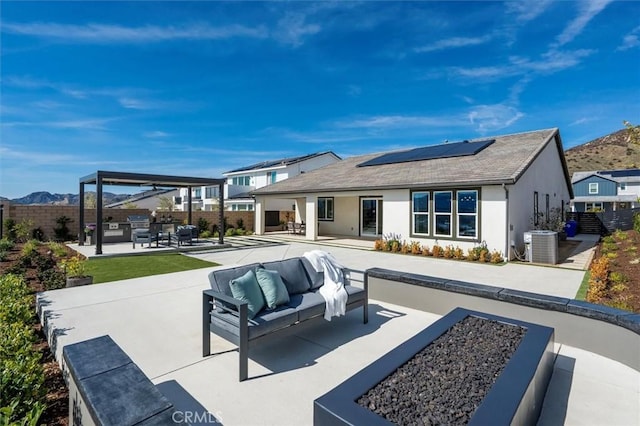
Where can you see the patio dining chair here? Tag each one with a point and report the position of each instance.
(182, 236)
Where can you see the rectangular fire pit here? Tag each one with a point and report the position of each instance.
(443, 367)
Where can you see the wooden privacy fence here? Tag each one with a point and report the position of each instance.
(45, 216)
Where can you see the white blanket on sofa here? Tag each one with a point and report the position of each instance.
(332, 290)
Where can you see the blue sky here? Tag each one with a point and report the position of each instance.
(201, 88)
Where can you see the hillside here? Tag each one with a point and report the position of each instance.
(613, 151)
(43, 197)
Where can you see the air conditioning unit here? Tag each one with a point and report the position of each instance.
(541, 246)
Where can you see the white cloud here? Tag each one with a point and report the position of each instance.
(37, 157)
(103, 33)
(550, 62)
(85, 124)
(156, 134)
(490, 118)
(631, 40)
(391, 121)
(354, 91)
(135, 103)
(454, 42)
(292, 29)
(581, 121)
(588, 9)
(526, 11)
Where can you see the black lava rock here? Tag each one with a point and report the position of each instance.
(446, 382)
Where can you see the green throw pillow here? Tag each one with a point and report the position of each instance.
(246, 288)
(274, 290)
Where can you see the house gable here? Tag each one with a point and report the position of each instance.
(595, 185)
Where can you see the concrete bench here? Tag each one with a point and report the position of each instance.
(107, 388)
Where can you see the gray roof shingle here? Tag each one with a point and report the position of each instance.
(504, 161)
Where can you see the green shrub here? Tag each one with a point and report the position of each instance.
(53, 279)
(61, 230)
(3, 255)
(240, 223)
(30, 248)
(21, 382)
(58, 249)
(37, 234)
(203, 225)
(636, 222)
(10, 229)
(6, 244)
(23, 230)
(205, 234)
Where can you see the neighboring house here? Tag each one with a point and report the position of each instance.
(241, 181)
(486, 190)
(606, 190)
(145, 200)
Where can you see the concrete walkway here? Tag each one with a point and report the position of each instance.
(516, 275)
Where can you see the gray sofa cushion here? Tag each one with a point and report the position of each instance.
(308, 305)
(219, 280)
(263, 323)
(317, 278)
(293, 274)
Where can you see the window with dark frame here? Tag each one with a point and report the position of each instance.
(325, 208)
(420, 212)
(546, 208)
(467, 213)
(442, 211)
(536, 212)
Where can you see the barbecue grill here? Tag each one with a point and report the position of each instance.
(139, 229)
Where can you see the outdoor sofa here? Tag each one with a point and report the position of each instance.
(234, 320)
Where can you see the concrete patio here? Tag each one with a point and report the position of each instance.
(157, 322)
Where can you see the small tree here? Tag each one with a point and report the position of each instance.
(129, 205)
(166, 203)
(10, 228)
(61, 230)
(90, 200)
(633, 132)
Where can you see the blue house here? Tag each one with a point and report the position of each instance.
(606, 190)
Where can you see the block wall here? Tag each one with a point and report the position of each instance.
(44, 216)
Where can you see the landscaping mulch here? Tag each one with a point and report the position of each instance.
(626, 262)
(57, 394)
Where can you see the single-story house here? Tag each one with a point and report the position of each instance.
(463, 194)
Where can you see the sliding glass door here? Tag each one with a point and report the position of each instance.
(371, 217)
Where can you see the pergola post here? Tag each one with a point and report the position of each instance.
(81, 236)
(221, 213)
(189, 208)
(99, 214)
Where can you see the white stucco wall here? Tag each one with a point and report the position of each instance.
(545, 175)
(345, 222)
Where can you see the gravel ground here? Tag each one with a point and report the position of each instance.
(446, 381)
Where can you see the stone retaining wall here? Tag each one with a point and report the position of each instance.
(609, 332)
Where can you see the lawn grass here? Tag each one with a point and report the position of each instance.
(121, 268)
(584, 286)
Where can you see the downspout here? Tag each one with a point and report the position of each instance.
(507, 243)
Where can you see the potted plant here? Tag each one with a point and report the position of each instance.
(74, 268)
(89, 232)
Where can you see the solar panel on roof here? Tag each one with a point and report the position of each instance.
(457, 149)
(623, 173)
